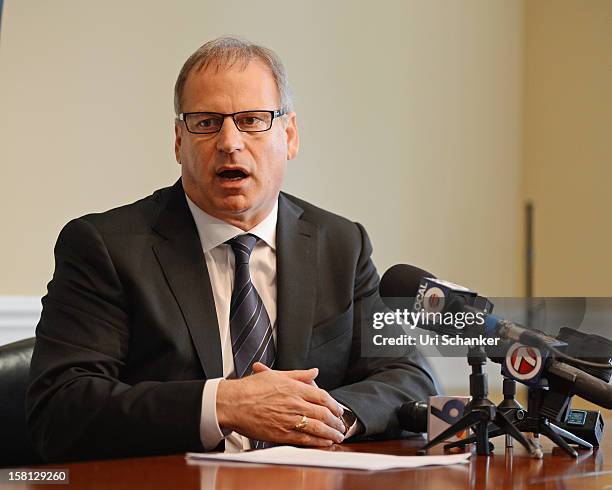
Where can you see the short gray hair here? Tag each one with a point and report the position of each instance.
(226, 52)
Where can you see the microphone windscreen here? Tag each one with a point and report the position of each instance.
(412, 416)
(402, 281)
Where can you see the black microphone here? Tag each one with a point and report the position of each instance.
(583, 384)
(401, 281)
(408, 281)
(495, 325)
(412, 416)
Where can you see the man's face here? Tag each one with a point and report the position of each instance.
(233, 175)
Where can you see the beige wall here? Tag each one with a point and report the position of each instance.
(568, 144)
(410, 117)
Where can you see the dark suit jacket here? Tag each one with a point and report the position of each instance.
(128, 332)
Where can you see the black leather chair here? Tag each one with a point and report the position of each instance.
(15, 446)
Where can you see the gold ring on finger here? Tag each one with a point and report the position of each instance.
(302, 424)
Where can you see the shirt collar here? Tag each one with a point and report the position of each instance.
(214, 232)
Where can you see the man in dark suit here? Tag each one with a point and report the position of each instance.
(218, 312)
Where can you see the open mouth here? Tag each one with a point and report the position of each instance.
(233, 174)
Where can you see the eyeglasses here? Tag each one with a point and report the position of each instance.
(246, 121)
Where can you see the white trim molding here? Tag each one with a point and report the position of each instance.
(18, 317)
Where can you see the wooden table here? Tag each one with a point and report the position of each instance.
(506, 469)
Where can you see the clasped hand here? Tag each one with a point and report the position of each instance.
(268, 405)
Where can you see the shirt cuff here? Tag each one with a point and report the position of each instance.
(210, 432)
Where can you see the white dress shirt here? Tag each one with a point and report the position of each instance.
(219, 258)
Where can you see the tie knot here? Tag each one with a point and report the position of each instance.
(243, 245)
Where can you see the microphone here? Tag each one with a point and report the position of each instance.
(410, 288)
(583, 384)
(575, 344)
(401, 281)
(506, 329)
(432, 294)
(412, 416)
(433, 416)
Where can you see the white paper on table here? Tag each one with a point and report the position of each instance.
(294, 456)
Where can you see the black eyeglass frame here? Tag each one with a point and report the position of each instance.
(275, 113)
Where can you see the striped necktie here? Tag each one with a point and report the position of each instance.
(250, 326)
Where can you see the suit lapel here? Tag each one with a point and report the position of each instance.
(296, 274)
(182, 260)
